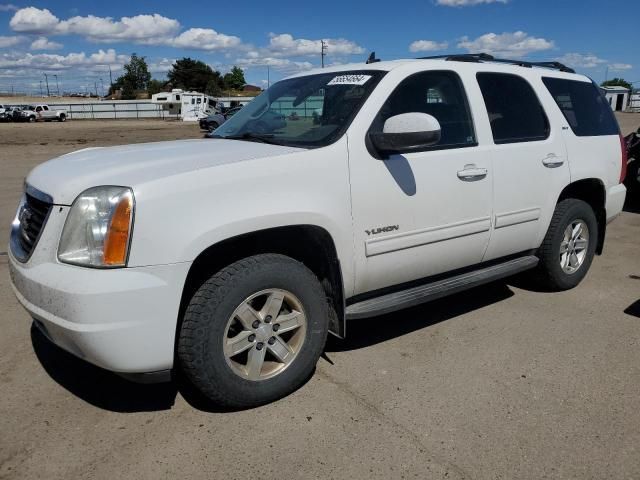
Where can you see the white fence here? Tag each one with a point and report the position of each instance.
(112, 109)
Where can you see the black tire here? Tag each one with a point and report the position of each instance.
(62, 118)
(550, 274)
(32, 119)
(632, 180)
(200, 342)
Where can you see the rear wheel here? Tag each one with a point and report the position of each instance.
(569, 245)
(213, 126)
(254, 331)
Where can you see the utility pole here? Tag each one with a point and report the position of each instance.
(323, 51)
(46, 79)
(110, 79)
(57, 87)
(606, 74)
(41, 95)
(102, 90)
(95, 84)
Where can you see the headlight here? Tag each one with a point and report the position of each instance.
(98, 228)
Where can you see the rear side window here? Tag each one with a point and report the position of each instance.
(514, 110)
(584, 107)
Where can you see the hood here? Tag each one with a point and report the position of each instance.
(65, 177)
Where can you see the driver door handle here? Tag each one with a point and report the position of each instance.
(472, 173)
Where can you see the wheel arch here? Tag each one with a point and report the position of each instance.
(309, 244)
(591, 191)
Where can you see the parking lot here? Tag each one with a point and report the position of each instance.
(499, 382)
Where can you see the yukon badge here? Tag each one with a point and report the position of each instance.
(376, 231)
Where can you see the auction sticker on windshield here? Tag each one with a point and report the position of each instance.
(349, 80)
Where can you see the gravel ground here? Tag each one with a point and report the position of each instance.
(496, 383)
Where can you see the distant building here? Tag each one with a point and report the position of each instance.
(618, 97)
(251, 88)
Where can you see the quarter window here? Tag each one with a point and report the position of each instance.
(583, 106)
(515, 113)
(439, 94)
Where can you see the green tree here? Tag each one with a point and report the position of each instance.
(213, 88)
(234, 80)
(617, 82)
(136, 77)
(155, 86)
(190, 74)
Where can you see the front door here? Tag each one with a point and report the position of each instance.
(424, 213)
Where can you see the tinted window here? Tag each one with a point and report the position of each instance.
(514, 110)
(584, 107)
(439, 94)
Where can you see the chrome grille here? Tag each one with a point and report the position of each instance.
(29, 223)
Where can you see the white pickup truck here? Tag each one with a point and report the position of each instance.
(229, 260)
(42, 112)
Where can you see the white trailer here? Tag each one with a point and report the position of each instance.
(189, 106)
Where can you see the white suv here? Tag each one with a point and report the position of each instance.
(228, 260)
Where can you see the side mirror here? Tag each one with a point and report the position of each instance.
(407, 132)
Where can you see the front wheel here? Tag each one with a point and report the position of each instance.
(569, 245)
(254, 331)
(62, 118)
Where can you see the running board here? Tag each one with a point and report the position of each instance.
(440, 288)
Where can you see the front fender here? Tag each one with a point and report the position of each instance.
(179, 217)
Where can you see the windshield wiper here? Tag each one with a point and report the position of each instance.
(256, 137)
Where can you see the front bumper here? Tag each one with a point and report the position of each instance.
(123, 320)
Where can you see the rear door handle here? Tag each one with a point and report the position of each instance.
(552, 161)
(472, 173)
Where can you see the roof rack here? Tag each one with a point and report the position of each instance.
(485, 57)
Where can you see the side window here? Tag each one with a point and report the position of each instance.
(38, 109)
(583, 106)
(440, 94)
(193, 101)
(515, 113)
(45, 108)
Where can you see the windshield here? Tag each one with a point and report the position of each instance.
(310, 111)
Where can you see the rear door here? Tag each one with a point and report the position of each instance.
(590, 129)
(529, 162)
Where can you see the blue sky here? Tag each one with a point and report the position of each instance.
(78, 40)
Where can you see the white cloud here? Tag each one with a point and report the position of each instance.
(285, 45)
(205, 39)
(617, 67)
(42, 43)
(140, 28)
(579, 60)
(10, 41)
(508, 44)
(8, 7)
(48, 61)
(34, 20)
(284, 65)
(466, 3)
(161, 66)
(151, 29)
(427, 46)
